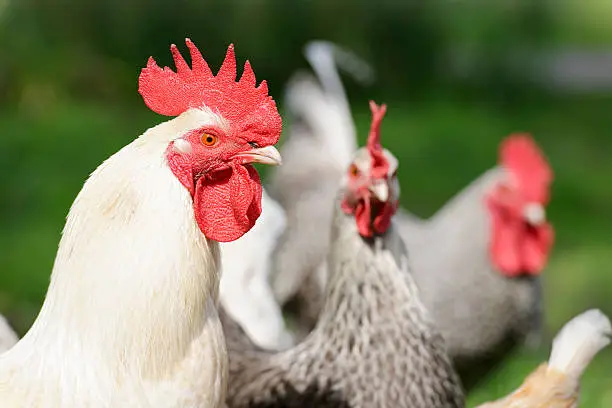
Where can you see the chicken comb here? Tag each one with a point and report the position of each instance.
(380, 165)
(523, 158)
(242, 103)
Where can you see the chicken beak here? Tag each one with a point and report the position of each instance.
(380, 189)
(264, 155)
(534, 214)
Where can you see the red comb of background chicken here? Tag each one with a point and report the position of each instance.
(522, 157)
(249, 109)
(380, 166)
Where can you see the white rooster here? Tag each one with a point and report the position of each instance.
(130, 317)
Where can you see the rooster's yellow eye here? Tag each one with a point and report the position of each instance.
(208, 139)
(353, 170)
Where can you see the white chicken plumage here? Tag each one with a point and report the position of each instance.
(130, 317)
(245, 292)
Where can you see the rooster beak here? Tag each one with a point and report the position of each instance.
(264, 155)
(535, 214)
(380, 189)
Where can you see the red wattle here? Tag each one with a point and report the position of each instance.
(382, 220)
(519, 249)
(227, 204)
(372, 218)
(504, 243)
(363, 218)
(536, 247)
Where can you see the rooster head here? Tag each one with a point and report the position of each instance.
(222, 126)
(521, 237)
(372, 189)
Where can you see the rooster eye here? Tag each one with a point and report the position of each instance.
(353, 170)
(208, 139)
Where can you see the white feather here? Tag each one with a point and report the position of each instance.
(579, 341)
(245, 292)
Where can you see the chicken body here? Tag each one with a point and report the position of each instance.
(130, 316)
(556, 384)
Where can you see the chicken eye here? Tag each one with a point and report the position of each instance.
(209, 140)
(353, 170)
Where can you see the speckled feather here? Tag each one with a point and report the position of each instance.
(374, 344)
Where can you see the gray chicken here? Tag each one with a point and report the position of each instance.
(477, 261)
(374, 345)
(321, 144)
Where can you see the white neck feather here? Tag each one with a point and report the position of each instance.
(132, 285)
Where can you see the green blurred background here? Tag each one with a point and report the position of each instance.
(458, 76)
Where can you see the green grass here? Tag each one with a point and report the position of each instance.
(442, 145)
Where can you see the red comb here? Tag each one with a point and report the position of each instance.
(522, 157)
(240, 102)
(380, 166)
